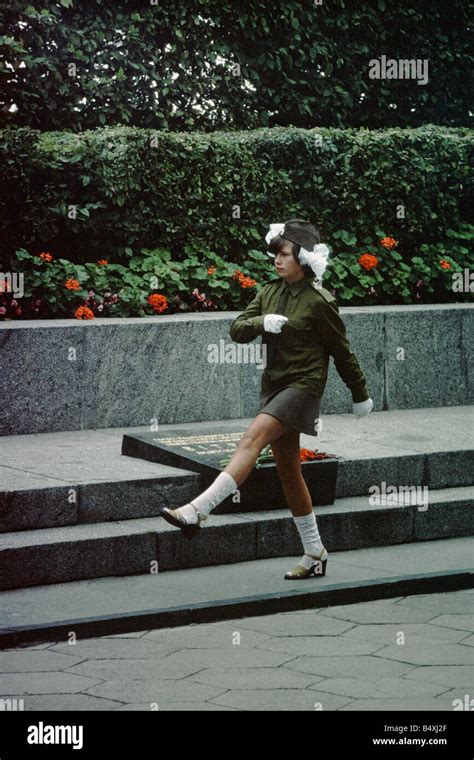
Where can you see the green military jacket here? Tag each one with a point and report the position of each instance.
(314, 331)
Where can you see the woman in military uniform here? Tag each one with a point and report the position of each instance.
(299, 323)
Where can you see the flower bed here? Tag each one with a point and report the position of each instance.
(368, 272)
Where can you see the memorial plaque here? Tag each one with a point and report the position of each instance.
(201, 449)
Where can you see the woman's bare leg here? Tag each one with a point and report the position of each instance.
(287, 456)
(286, 451)
(264, 429)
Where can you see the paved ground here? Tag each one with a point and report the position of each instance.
(408, 653)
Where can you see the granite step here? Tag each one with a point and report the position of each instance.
(114, 606)
(71, 478)
(151, 545)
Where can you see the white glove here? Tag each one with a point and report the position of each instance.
(363, 408)
(274, 322)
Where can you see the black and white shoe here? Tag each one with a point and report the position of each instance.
(176, 518)
(317, 568)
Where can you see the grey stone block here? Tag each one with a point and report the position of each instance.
(227, 657)
(214, 546)
(466, 349)
(214, 634)
(433, 372)
(374, 527)
(101, 502)
(36, 564)
(137, 668)
(444, 520)
(456, 603)
(158, 370)
(42, 507)
(450, 468)
(356, 476)
(43, 386)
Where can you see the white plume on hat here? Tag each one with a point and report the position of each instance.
(317, 258)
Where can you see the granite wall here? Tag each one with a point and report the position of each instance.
(73, 375)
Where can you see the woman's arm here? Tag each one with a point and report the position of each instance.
(249, 324)
(333, 335)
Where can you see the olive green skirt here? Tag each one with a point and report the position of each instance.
(293, 407)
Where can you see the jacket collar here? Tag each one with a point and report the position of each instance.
(296, 287)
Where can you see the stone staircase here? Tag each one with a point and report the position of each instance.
(72, 507)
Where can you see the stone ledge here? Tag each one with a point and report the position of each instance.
(61, 375)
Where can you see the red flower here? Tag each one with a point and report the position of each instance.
(72, 284)
(368, 261)
(158, 302)
(389, 242)
(83, 312)
(307, 455)
(445, 264)
(245, 280)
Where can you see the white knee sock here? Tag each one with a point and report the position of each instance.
(221, 487)
(309, 534)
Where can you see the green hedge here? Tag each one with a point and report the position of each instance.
(208, 64)
(133, 189)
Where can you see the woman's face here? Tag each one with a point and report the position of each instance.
(285, 264)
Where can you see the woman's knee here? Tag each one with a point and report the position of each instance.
(262, 431)
(286, 451)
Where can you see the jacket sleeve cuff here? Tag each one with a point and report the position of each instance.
(360, 395)
(258, 322)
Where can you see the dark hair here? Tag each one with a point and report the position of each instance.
(277, 243)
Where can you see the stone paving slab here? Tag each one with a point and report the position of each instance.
(289, 661)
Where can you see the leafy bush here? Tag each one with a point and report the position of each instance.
(111, 192)
(210, 65)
